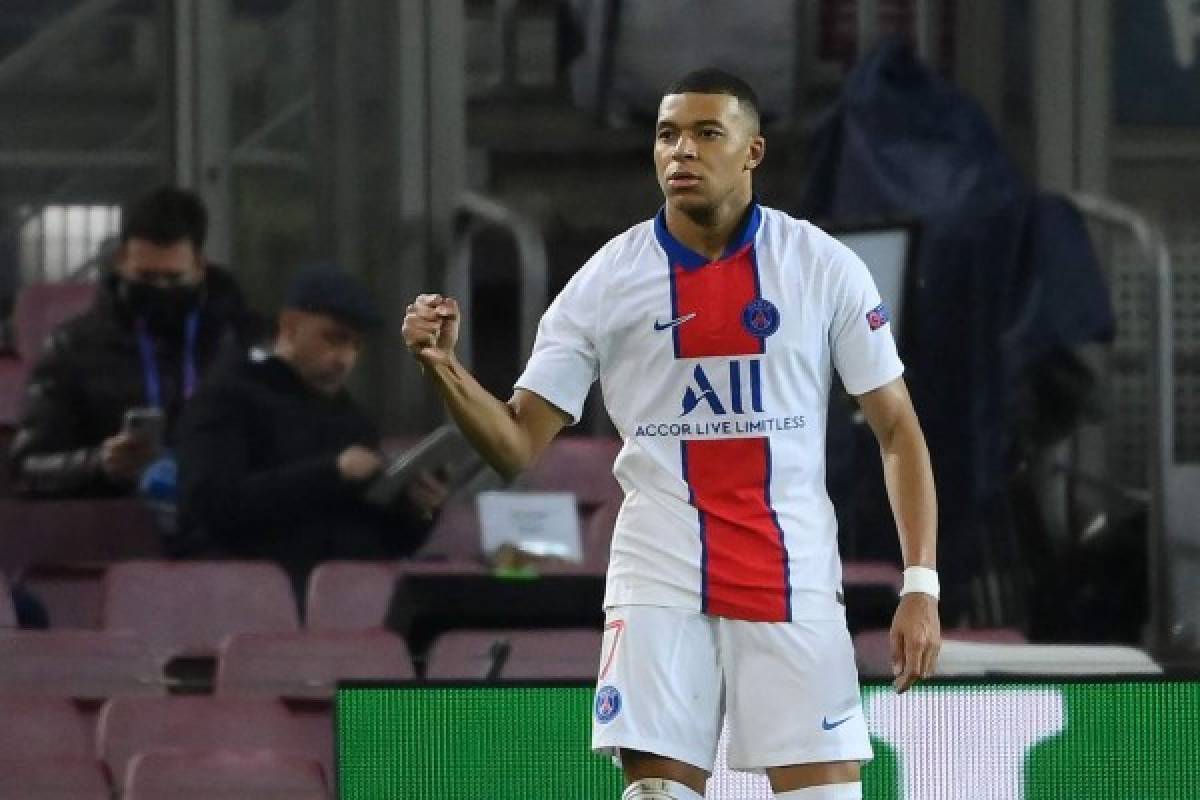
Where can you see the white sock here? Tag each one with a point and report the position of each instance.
(828, 791)
(659, 789)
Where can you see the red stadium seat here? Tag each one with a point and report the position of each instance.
(223, 775)
(75, 531)
(188, 608)
(597, 536)
(133, 725)
(308, 665)
(567, 654)
(578, 464)
(42, 307)
(79, 664)
(72, 593)
(455, 536)
(349, 595)
(58, 778)
(42, 726)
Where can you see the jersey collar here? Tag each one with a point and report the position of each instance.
(680, 254)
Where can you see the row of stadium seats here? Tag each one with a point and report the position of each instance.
(262, 720)
(299, 665)
(190, 606)
(160, 748)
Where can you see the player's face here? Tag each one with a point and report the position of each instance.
(320, 348)
(705, 147)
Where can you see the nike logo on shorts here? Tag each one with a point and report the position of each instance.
(673, 323)
(827, 725)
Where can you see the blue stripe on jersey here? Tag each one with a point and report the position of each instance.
(787, 563)
(683, 460)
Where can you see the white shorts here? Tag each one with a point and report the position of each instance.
(788, 691)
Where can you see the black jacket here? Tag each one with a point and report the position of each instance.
(90, 373)
(258, 455)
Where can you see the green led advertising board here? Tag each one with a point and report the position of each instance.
(1021, 740)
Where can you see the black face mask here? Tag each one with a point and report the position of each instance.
(165, 309)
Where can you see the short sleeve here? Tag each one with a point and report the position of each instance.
(864, 350)
(564, 363)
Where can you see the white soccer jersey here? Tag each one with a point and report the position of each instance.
(717, 376)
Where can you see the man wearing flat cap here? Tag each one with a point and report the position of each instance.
(275, 456)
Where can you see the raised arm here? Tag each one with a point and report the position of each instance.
(509, 435)
(916, 630)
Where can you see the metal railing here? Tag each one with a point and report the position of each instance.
(1167, 628)
(473, 214)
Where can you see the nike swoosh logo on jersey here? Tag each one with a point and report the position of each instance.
(662, 326)
(827, 725)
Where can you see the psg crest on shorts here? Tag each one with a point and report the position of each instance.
(760, 317)
(608, 704)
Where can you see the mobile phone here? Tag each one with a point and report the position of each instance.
(146, 424)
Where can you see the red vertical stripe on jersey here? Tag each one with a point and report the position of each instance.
(716, 293)
(745, 567)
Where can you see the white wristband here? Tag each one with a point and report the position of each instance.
(921, 579)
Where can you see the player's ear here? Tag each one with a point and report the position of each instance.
(758, 149)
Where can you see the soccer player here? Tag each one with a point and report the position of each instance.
(714, 329)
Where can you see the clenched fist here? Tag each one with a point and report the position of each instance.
(431, 326)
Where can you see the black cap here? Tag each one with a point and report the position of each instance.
(328, 290)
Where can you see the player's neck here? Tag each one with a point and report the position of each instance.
(708, 234)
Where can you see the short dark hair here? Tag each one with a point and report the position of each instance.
(711, 80)
(164, 216)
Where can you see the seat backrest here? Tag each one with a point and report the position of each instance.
(132, 725)
(42, 307)
(309, 664)
(464, 655)
(455, 535)
(550, 653)
(569, 654)
(42, 726)
(223, 775)
(8, 614)
(349, 595)
(80, 664)
(579, 464)
(597, 536)
(190, 607)
(72, 594)
(54, 778)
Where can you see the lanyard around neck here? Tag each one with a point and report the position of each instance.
(153, 382)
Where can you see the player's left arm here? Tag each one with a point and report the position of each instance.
(916, 629)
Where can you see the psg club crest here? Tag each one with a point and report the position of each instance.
(760, 317)
(608, 704)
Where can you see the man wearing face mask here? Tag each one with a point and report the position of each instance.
(162, 315)
(275, 456)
